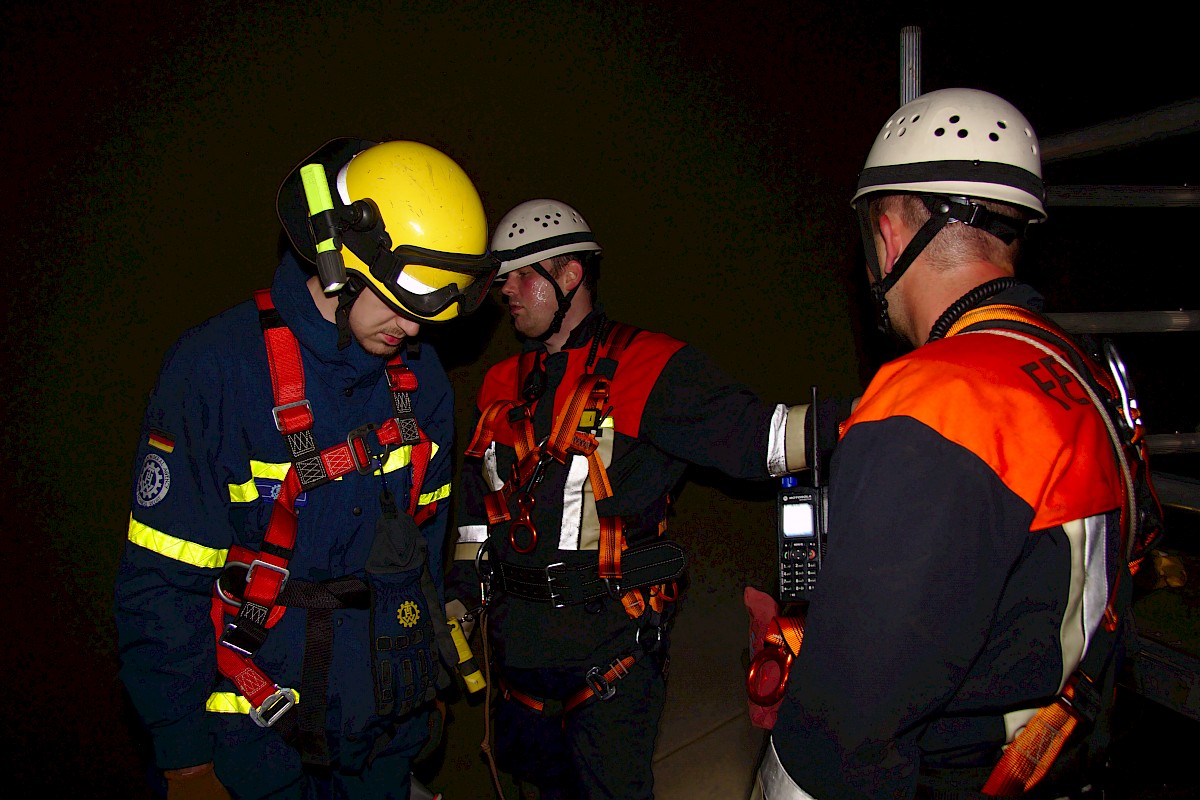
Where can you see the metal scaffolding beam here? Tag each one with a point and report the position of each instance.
(1123, 196)
(1172, 120)
(1128, 321)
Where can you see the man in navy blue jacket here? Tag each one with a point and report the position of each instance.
(281, 628)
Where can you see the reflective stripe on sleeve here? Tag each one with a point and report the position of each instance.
(173, 547)
(472, 533)
(437, 494)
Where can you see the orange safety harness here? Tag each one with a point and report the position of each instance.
(620, 573)
(255, 587)
(573, 433)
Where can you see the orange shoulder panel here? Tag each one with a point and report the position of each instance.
(1015, 408)
(638, 369)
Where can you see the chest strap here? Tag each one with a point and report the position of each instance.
(586, 408)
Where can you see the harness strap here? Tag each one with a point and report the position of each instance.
(598, 686)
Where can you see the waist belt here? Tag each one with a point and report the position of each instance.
(565, 585)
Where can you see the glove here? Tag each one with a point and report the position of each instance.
(195, 783)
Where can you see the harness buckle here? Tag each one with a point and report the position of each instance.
(358, 436)
(284, 571)
(555, 597)
(600, 684)
(275, 412)
(242, 640)
(274, 707)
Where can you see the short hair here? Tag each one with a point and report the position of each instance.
(956, 242)
(588, 259)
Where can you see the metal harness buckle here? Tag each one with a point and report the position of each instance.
(600, 685)
(274, 707)
(277, 409)
(555, 597)
(372, 462)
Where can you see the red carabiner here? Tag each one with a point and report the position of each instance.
(769, 653)
(523, 521)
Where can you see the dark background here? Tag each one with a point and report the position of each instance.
(713, 147)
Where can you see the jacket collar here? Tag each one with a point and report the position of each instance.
(352, 367)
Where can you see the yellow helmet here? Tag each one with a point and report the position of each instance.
(400, 217)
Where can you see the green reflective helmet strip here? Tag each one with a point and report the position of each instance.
(316, 193)
(175, 548)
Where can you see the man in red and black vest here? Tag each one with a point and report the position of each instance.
(580, 442)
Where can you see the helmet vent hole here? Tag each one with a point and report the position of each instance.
(993, 137)
(954, 120)
(962, 133)
(902, 131)
(916, 117)
(1001, 124)
(940, 132)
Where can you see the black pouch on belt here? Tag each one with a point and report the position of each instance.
(409, 635)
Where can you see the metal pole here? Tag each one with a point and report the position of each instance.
(910, 63)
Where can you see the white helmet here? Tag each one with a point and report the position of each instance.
(958, 142)
(538, 229)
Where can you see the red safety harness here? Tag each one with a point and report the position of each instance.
(260, 604)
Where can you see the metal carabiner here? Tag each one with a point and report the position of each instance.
(1129, 404)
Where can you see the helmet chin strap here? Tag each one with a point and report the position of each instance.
(564, 302)
(346, 297)
(942, 211)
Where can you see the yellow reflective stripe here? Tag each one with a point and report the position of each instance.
(247, 492)
(227, 703)
(437, 494)
(174, 548)
(231, 703)
(402, 456)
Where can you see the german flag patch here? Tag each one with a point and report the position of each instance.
(161, 440)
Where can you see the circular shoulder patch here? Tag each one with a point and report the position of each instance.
(155, 481)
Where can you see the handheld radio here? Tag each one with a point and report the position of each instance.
(801, 526)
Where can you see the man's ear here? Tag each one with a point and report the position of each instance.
(571, 275)
(895, 238)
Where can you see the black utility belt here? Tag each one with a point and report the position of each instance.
(565, 585)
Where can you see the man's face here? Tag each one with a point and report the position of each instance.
(530, 298)
(379, 329)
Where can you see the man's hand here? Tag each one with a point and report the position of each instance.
(195, 783)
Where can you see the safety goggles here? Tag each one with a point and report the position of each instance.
(427, 282)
